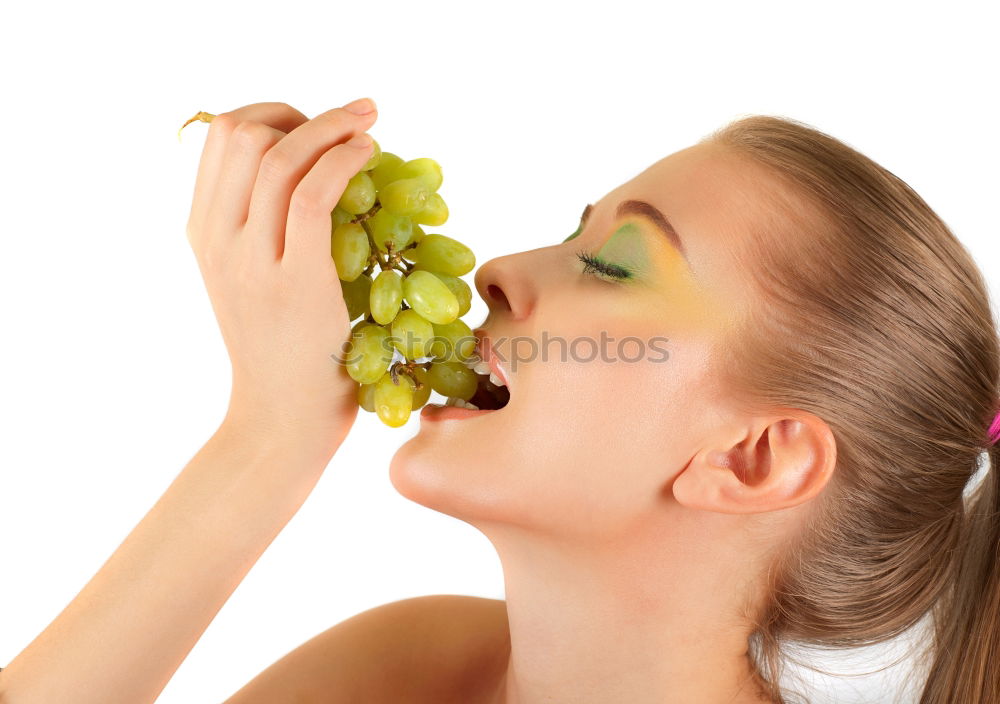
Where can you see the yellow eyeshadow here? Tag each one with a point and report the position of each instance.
(641, 248)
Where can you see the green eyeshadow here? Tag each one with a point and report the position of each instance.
(627, 248)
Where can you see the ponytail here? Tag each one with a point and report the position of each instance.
(966, 653)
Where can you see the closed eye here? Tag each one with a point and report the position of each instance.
(592, 264)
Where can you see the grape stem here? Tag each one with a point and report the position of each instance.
(200, 116)
(409, 265)
(383, 264)
(376, 257)
(408, 368)
(393, 259)
(371, 211)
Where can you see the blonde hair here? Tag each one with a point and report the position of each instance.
(878, 321)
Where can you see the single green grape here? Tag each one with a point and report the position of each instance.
(359, 194)
(443, 255)
(338, 216)
(421, 395)
(376, 157)
(453, 342)
(350, 250)
(461, 290)
(411, 334)
(386, 296)
(366, 397)
(418, 234)
(385, 172)
(393, 401)
(427, 170)
(356, 295)
(453, 379)
(369, 353)
(430, 297)
(405, 196)
(435, 212)
(387, 226)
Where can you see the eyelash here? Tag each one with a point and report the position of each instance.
(592, 264)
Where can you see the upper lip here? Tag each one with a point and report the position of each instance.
(486, 353)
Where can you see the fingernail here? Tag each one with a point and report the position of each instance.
(360, 140)
(362, 106)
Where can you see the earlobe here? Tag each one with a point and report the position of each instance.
(780, 462)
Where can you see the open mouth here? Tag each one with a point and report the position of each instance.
(491, 393)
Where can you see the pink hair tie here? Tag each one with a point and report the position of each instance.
(995, 429)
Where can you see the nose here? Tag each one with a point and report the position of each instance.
(508, 285)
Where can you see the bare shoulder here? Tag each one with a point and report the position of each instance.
(440, 648)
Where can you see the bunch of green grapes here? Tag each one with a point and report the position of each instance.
(405, 286)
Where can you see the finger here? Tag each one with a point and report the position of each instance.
(208, 172)
(277, 115)
(284, 165)
(307, 230)
(246, 147)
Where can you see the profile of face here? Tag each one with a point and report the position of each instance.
(599, 426)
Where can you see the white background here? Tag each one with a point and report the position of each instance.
(113, 372)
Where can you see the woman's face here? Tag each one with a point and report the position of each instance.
(612, 380)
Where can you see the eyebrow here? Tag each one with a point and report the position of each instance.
(651, 213)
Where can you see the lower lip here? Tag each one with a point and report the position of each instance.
(434, 411)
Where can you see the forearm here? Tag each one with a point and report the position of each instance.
(128, 630)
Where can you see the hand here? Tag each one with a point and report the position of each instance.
(260, 229)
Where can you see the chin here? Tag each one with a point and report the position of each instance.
(454, 470)
(417, 473)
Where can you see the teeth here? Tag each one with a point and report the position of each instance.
(495, 380)
(481, 367)
(472, 361)
(461, 403)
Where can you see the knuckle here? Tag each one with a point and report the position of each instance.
(223, 124)
(308, 201)
(252, 135)
(276, 164)
(285, 107)
(214, 257)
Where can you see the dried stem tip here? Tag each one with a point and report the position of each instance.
(202, 116)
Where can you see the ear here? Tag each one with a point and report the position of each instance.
(781, 462)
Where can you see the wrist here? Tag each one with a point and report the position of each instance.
(304, 439)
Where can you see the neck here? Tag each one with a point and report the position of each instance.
(627, 622)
